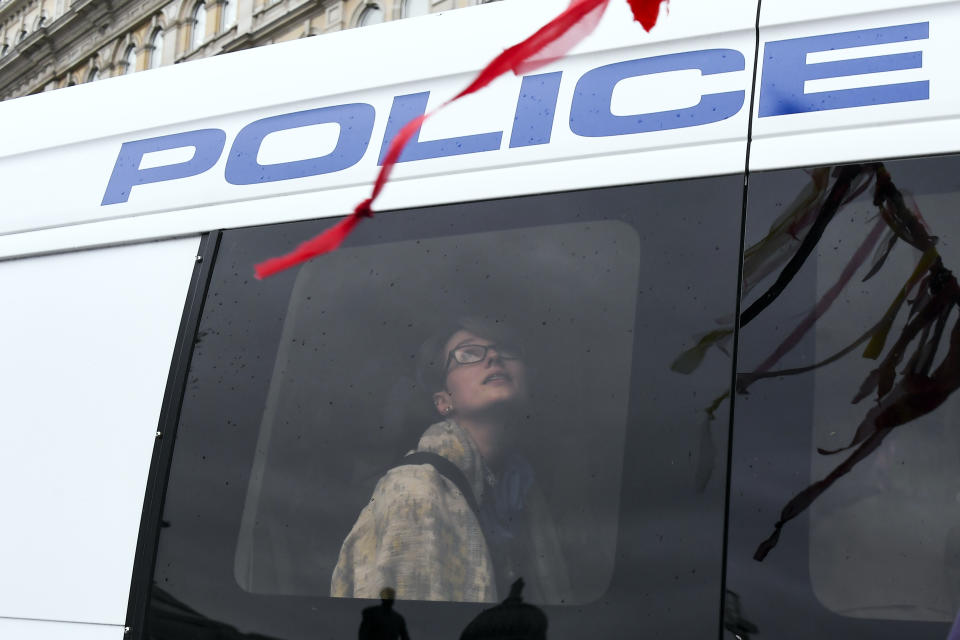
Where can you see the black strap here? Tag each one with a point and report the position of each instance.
(448, 470)
(454, 474)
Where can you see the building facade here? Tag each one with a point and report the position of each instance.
(49, 44)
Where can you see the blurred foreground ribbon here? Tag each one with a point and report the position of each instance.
(550, 42)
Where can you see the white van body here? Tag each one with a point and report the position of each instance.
(93, 293)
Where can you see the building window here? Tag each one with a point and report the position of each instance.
(414, 8)
(228, 14)
(3, 51)
(156, 49)
(199, 25)
(23, 34)
(130, 60)
(94, 74)
(372, 14)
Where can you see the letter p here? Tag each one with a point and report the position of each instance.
(207, 146)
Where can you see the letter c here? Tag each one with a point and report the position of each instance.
(591, 116)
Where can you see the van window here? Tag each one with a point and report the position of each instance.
(549, 326)
(861, 347)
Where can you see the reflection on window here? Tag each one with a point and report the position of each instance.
(886, 541)
(372, 14)
(156, 49)
(199, 29)
(414, 8)
(877, 344)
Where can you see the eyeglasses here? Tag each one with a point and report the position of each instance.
(474, 353)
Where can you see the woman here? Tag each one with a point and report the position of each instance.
(461, 518)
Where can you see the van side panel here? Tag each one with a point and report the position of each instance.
(46, 630)
(853, 81)
(624, 107)
(86, 349)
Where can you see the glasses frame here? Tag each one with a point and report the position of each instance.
(486, 350)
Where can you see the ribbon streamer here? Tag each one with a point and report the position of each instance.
(550, 42)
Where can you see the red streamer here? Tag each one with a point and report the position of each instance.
(550, 42)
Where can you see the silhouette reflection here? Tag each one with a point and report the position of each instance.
(511, 619)
(382, 622)
(734, 620)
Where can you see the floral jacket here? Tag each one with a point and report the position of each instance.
(418, 535)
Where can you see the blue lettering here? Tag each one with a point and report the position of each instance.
(533, 119)
(785, 70)
(207, 145)
(406, 108)
(356, 125)
(591, 116)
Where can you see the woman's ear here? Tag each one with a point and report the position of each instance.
(443, 402)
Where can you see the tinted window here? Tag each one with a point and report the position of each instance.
(862, 344)
(304, 391)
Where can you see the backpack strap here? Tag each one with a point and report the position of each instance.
(454, 474)
(449, 471)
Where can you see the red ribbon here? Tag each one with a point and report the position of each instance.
(550, 42)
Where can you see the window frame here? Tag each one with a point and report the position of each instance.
(228, 15)
(198, 25)
(158, 474)
(405, 8)
(144, 574)
(763, 454)
(130, 66)
(156, 48)
(370, 9)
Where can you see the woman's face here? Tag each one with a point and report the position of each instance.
(496, 380)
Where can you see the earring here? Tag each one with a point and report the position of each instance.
(447, 411)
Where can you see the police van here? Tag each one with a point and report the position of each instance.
(726, 243)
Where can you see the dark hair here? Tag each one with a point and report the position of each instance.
(432, 359)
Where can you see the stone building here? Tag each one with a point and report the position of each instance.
(49, 44)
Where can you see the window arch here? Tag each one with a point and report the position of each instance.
(372, 14)
(414, 8)
(130, 60)
(228, 14)
(156, 49)
(199, 29)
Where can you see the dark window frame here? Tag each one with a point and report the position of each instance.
(146, 555)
